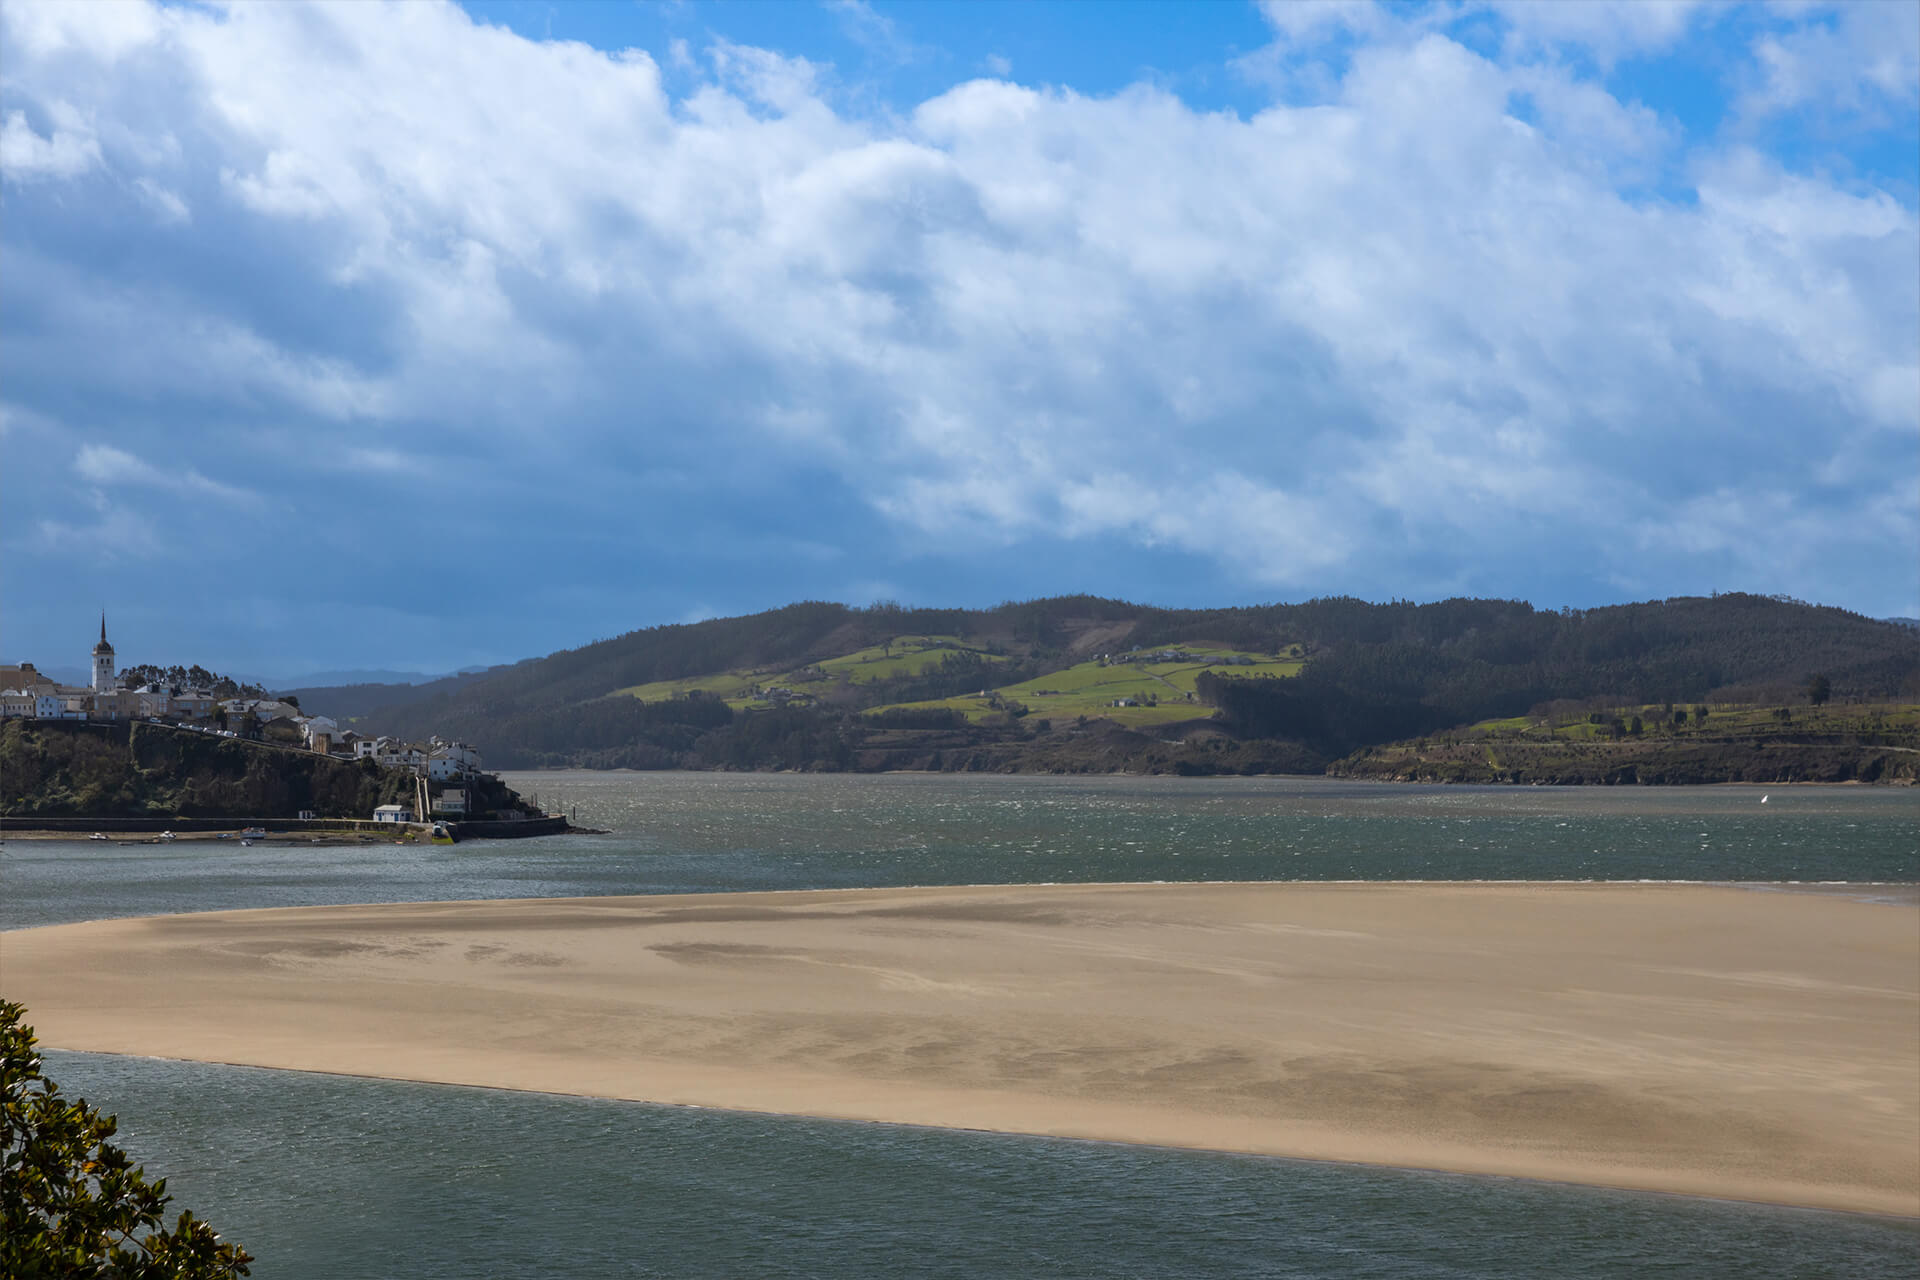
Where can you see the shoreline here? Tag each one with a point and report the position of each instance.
(1873, 1214)
(1690, 1039)
(296, 830)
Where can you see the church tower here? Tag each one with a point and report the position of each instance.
(102, 660)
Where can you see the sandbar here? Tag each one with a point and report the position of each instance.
(1706, 1040)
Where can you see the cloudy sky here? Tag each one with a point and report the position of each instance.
(420, 336)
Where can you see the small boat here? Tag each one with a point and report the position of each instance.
(98, 835)
(441, 835)
(246, 844)
(253, 833)
(166, 835)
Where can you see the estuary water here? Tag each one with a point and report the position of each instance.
(332, 1177)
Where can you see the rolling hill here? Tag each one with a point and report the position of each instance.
(1090, 684)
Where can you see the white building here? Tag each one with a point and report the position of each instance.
(401, 755)
(16, 704)
(452, 760)
(393, 813)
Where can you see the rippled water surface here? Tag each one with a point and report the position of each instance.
(326, 1177)
(699, 833)
(329, 1177)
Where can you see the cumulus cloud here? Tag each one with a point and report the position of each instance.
(1403, 335)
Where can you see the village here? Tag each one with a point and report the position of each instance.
(445, 770)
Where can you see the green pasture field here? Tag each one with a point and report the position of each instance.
(907, 656)
(1086, 689)
(1090, 689)
(910, 655)
(977, 708)
(731, 685)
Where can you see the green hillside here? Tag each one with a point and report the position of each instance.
(1088, 683)
(758, 688)
(1648, 743)
(1136, 690)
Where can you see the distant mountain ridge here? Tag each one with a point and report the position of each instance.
(325, 679)
(818, 685)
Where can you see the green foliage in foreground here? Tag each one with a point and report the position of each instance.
(73, 1204)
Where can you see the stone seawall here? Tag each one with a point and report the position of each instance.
(478, 830)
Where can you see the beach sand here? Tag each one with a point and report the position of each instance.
(1750, 1044)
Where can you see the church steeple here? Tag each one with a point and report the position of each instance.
(103, 659)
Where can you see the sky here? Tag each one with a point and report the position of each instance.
(419, 336)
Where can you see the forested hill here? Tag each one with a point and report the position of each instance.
(818, 685)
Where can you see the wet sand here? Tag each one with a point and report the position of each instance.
(1701, 1039)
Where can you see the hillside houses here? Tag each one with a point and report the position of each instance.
(26, 693)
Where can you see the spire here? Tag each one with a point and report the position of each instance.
(103, 626)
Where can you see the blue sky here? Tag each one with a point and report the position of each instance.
(423, 336)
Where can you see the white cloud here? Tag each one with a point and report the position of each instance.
(22, 418)
(104, 465)
(106, 30)
(1301, 22)
(384, 462)
(70, 149)
(114, 533)
(166, 205)
(1850, 58)
(1608, 30)
(873, 31)
(1294, 344)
